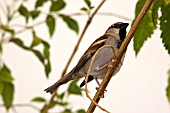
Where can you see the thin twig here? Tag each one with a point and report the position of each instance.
(75, 50)
(14, 106)
(119, 55)
(25, 28)
(88, 73)
(23, 105)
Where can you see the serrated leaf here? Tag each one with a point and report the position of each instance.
(81, 111)
(50, 21)
(5, 74)
(168, 87)
(155, 7)
(67, 111)
(38, 99)
(74, 88)
(39, 3)
(7, 94)
(35, 14)
(36, 40)
(1, 87)
(165, 25)
(145, 29)
(24, 12)
(57, 5)
(72, 24)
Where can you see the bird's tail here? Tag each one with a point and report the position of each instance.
(63, 80)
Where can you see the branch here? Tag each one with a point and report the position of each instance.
(119, 55)
(26, 28)
(75, 50)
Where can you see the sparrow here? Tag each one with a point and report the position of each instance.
(114, 36)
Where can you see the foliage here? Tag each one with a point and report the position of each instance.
(10, 34)
(50, 18)
(6, 86)
(61, 99)
(150, 23)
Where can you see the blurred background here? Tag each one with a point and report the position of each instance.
(139, 87)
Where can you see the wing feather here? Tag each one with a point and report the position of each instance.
(91, 51)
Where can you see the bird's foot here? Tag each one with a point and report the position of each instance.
(102, 93)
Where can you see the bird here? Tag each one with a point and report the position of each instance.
(114, 36)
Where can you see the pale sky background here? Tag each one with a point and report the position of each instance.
(139, 87)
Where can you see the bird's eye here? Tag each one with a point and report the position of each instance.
(113, 26)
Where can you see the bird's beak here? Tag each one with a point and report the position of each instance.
(124, 25)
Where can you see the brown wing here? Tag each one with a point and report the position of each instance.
(91, 51)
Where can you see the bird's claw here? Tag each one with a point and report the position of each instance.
(102, 93)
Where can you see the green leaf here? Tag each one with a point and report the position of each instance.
(46, 53)
(145, 29)
(38, 99)
(168, 87)
(84, 9)
(1, 49)
(39, 3)
(67, 111)
(74, 88)
(46, 49)
(72, 24)
(50, 21)
(155, 8)
(19, 43)
(47, 68)
(60, 96)
(88, 3)
(54, 103)
(81, 111)
(35, 14)
(43, 57)
(57, 5)
(1, 87)
(39, 55)
(7, 29)
(165, 25)
(24, 12)
(61, 103)
(36, 40)
(7, 94)
(5, 74)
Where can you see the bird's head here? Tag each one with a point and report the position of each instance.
(118, 29)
